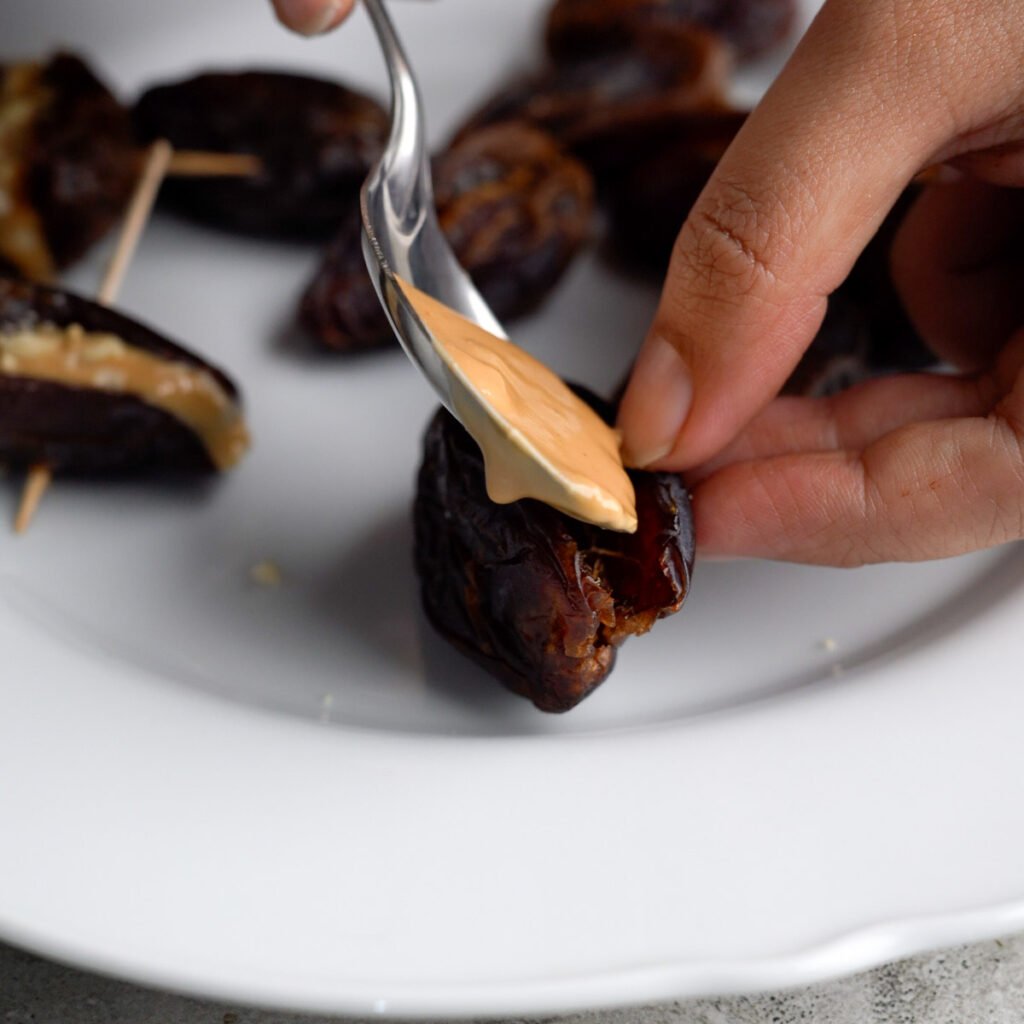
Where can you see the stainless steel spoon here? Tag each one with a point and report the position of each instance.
(402, 239)
(401, 234)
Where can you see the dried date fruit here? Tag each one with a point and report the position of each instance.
(316, 141)
(582, 27)
(541, 600)
(339, 308)
(67, 163)
(589, 104)
(84, 389)
(515, 209)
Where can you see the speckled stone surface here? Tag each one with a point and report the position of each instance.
(980, 984)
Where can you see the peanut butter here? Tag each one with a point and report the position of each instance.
(104, 362)
(537, 438)
(23, 95)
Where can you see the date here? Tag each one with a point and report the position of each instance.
(514, 207)
(541, 600)
(67, 163)
(592, 104)
(316, 141)
(582, 27)
(86, 390)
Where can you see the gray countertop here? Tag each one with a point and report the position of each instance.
(979, 984)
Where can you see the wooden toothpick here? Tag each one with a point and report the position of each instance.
(189, 163)
(154, 170)
(36, 483)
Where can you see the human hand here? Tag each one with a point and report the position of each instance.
(312, 17)
(907, 468)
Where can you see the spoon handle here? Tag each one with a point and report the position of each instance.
(404, 164)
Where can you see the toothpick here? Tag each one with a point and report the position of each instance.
(194, 163)
(158, 159)
(36, 483)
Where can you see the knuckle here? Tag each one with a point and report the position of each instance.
(727, 244)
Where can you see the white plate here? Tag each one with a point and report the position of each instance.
(301, 797)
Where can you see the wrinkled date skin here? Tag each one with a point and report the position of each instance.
(515, 209)
(582, 27)
(316, 141)
(85, 431)
(591, 104)
(81, 162)
(538, 599)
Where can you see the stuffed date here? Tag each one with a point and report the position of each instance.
(67, 163)
(315, 140)
(541, 600)
(86, 390)
(581, 27)
(515, 209)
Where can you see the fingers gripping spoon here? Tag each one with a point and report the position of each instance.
(538, 439)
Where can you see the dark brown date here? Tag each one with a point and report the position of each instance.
(538, 599)
(316, 141)
(339, 308)
(84, 430)
(78, 165)
(582, 27)
(515, 209)
(592, 103)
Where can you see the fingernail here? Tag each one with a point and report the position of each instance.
(309, 18)
(655, 405)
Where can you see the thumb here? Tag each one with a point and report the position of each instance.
(792, 203)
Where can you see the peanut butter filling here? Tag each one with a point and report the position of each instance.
(23, 96)
(104, 362)
(537, 438)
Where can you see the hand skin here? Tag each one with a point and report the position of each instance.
(913, 467)
(312, 17)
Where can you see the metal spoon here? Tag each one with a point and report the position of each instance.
(401, 234)
(403, 239)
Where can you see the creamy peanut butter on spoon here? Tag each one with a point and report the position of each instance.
(538, 439)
